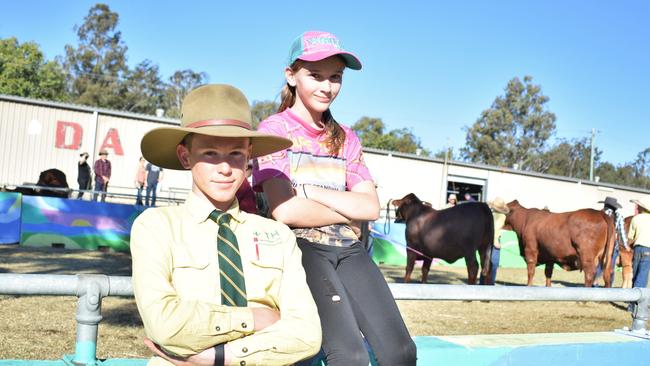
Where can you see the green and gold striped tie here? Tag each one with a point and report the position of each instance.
(233, 285)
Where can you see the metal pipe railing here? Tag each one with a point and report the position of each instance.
(90, 289)
(71, 193)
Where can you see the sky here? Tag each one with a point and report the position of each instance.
(429, 66)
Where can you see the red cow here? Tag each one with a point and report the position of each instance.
(574, 240)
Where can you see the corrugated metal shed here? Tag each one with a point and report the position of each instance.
(36, 135)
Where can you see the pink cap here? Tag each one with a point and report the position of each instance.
(316, 46)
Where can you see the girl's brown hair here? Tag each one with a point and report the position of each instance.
(335, 134)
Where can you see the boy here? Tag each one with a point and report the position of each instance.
(213, 284)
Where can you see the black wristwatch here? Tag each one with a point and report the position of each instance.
(219, 355)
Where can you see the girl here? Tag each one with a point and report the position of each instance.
(320, 187)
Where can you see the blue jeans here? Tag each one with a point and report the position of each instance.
(494, 264)
(100, 186)
(640, 266)
(151, 191)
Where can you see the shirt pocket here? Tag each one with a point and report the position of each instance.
(191, 276)
(263, 278)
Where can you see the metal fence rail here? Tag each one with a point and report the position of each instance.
(90, 289)
(172, 196)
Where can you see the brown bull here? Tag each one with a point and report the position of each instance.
(574, 240)
(449, 234)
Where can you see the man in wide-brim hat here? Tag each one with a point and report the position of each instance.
(611, 202)
(499, 205)
(639, 236)
(499, 212)
(102, 168)
(208, 277)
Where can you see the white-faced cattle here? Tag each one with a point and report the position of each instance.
(449, 234)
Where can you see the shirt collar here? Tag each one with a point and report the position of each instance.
(311, 130)
(199, 209)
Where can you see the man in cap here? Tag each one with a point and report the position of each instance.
(499, 211)
(639, 237)
(452, 200)
(611, 207)
(213, 284)
(102, 174)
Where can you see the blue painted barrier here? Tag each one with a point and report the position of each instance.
(566, 349)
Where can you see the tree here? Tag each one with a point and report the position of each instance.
(24, 72)
(142, 91)
(446, 153)
(607, 173)
(641, 168)
(371, 133)
(569, 158)
(98, 64)
(180, 84)
(262, 110)
(514, 130)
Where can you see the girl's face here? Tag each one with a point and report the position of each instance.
(317, 84)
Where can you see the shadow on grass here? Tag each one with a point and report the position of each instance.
(63, 261)
(123, 315)
(395, 274)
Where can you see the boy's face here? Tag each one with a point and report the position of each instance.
(218, 166)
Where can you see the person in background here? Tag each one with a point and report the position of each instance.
(154, 176)
(639, 237)
(245, 195)
(83, 174)
(140, 179)
(452, 200)
(102, 170)
(320, 187)
(611, 208)
(215, 285)
(499, 212)
(468, 198)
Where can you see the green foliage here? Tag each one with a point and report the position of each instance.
(25, 72)
(514, 130)
(261, 110)
(446, 153)
(180, 84)
(142, 91)
(635, 174)
(569, 158)
(98, 63)
(371, 133)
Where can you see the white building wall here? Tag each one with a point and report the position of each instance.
(28, 137)
(396, 177)
(26, 150)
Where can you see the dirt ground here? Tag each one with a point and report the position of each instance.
(43, 327)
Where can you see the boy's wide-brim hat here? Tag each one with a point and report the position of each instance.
(643, 202)
(499, 205)
(612, 202)
(212, 110)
